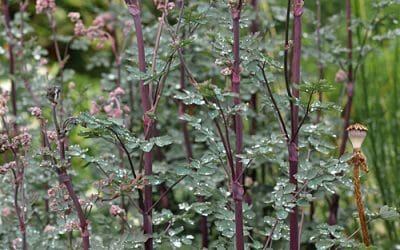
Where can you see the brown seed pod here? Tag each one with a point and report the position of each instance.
(357, 133)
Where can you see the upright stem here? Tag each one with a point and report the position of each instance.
(253, 99)
(134, 10)
(360, 207)
(7, 19)
(350, 92)
(18, 181)
(293, 144)
(350, 83)
(320, 64)
(66, 180)
(237, 188)
(189, 153)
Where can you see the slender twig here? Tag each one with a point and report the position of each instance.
(350, 80)
(286, 54)
(126, 152)
(12, 64)
(301, 225)
(305, 114)
(157, 44)
(320, 64)
(166, 191)
(228, 155)
(269, 238)
(274, 103)
(228, 144)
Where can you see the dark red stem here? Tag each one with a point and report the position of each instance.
(237, 188)
(333, 210)
(293, 144)
(19, 177)
(134, 10)
(189, 152)
(66, 180)
(320, 64)
(7, 19)
(350, 83)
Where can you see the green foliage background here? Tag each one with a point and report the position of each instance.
(92, 70)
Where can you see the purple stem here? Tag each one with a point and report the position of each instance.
(66, 180)
(350, 92)
(237, 188)
(320, 64)
(19, 178)
(293, 144)
(350, 83)
(7, 18)
(134, 10)
(189, 153)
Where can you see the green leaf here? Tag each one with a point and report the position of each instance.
(162, 140)
(388, 213)
(203, 208)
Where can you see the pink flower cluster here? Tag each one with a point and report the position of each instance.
(45, 5)
(36, 111)
(116, 210)
(52, 135)
(113, 104)
(7, 166)
(4, 97)
(4, 144)
(98, 29)
(24, 139)
(71, 225)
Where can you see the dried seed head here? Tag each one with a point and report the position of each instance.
(357, 133)
(53, 94)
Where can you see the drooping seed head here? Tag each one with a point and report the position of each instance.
(357, 133)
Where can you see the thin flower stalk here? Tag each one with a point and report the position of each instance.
(12, 63)
(334, 206)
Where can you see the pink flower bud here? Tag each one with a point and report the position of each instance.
(36, 111)
(49, 228)
(74, 16)
(116, 210)
(341, 76)
(94, 109)
(6, 212)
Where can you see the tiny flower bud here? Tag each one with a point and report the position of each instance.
(341, 76)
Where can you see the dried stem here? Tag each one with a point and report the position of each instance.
(359, 162)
